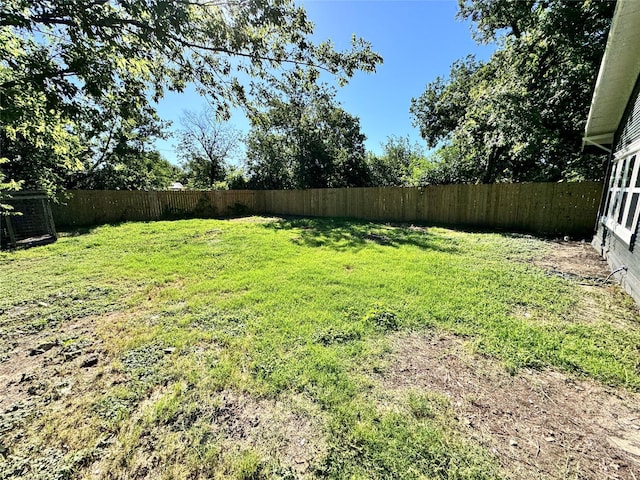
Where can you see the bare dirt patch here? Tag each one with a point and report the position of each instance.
(44, 372)
(42, 363)
(574, 260)
(601, 298)
(274, 428)
(539, 424)
(288, 430)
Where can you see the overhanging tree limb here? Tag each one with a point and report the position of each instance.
(120, 52)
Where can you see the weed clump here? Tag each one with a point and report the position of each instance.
(381, 318)
(333, 335)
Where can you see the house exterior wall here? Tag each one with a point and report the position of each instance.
(617, 254)
(617, 243)
(629, 129)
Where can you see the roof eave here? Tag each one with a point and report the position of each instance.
(617, 77)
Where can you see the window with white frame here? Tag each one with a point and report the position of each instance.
(623, 198)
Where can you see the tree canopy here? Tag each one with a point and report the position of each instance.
(400, 165)
(135, 171)
(76, 76)
(302, 138)
(205, 148)
(520, 115)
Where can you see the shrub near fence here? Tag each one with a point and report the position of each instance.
(544, 208)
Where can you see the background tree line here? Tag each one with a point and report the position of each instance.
(518, 116)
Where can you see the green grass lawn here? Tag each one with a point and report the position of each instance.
(250, 348)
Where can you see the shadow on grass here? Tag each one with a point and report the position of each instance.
(350, 234)
(75, 231)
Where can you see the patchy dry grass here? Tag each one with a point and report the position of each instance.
(270, 348)
(537, 422)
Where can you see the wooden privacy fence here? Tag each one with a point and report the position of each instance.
(95, 207)
(549, 208)
(545, 208)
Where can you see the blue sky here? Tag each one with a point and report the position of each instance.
(419, 40)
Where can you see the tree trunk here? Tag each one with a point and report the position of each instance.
(490, 172)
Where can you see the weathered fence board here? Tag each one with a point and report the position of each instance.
(549, 208)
